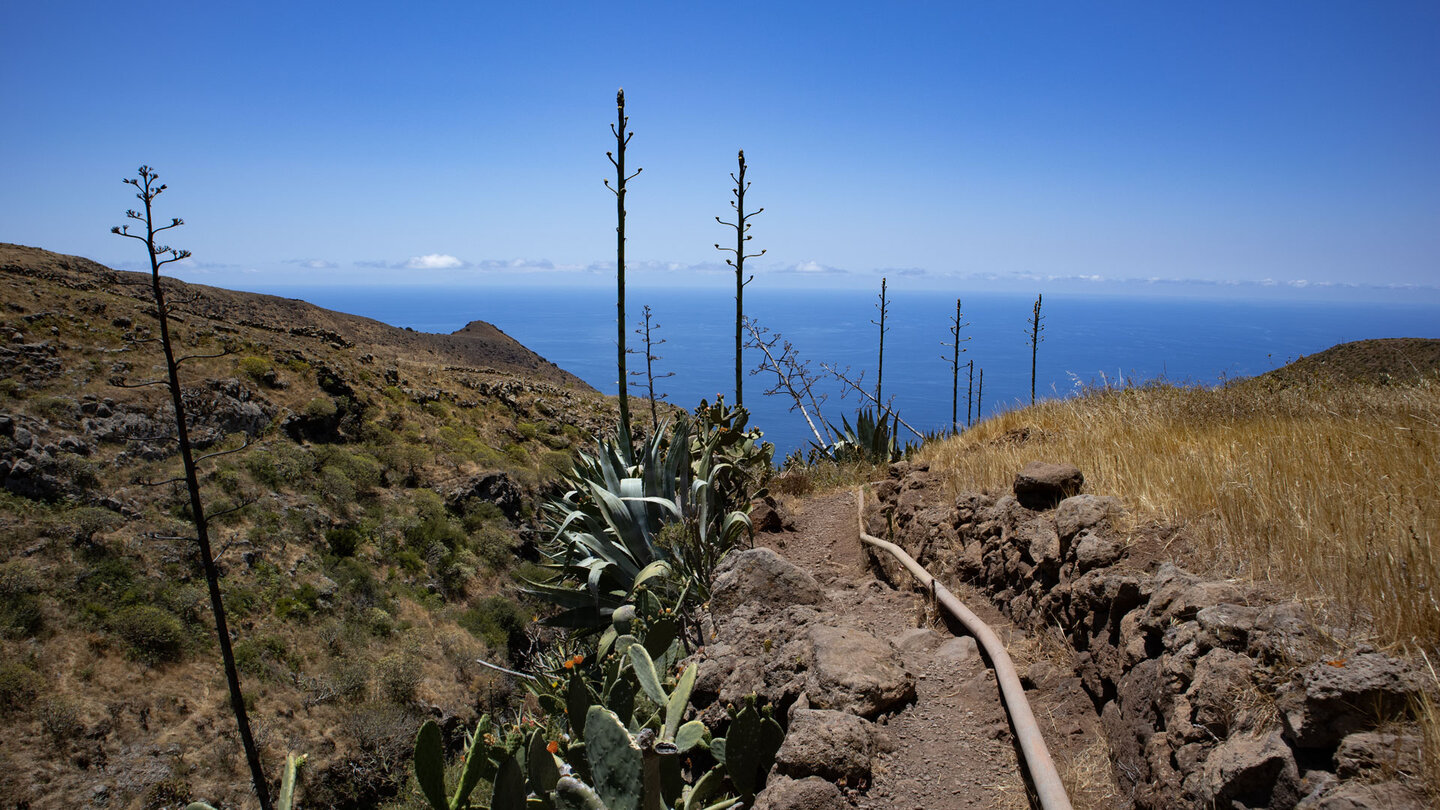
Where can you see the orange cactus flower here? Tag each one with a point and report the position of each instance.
(553, 747)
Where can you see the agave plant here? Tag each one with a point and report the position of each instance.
(605, 528)
(871, 439)
(606, 531)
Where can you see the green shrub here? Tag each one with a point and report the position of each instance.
(495, 546)
(256, 368)
(399, 676)
(20, 612)
(52, 407)
(495, 620)
(248, 658)
(357, 582)
(153, 635)
(19, 685)
(336, 487)
(299, 604)
(441, 530)
(321, 408)
(344, 541)
(379, 622)
(281, 465)
(409, 562)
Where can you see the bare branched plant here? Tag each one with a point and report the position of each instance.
(160, 255)
(737, 261)
(969, 391)
(979, 394)
(1037, 329)
(647, 333)
(617, 159)
(793, 377)
(857, 384)
(956, 324)
(884, 307)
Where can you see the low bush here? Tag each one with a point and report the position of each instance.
(399, 676)
(19, 685)
(153, 635)
(495, 620)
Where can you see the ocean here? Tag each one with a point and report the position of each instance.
(1086, 339)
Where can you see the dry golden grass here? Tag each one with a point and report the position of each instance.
(1329, 492)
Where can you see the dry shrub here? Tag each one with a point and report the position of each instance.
(1331, 493)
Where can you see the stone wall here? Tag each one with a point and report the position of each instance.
(1211, 694)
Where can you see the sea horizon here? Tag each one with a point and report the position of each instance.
(1087, 340)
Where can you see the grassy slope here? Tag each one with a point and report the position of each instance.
(359, 596)
(1322, 478)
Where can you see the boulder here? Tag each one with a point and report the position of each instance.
(1221, 678)
(1226, 625)
(1080, 512)
(762, 577)
(1360, 796)
(1367, 752)
(853, 671)
(1339, 697)
(1093, 550)
(1251, 771)
(826, 743)
(810, 793)
(1042, 485)
(769, 516)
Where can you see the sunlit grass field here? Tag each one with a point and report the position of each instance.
(1327, 491)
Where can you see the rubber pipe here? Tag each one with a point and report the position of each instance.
(1044, 777)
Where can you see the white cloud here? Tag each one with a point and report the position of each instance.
(434, 261)
(809, 268)
(313, 264)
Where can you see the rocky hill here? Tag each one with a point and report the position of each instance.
(370, 531)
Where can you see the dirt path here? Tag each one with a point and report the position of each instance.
(953, 748)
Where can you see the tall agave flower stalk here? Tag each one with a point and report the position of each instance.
(617, 159)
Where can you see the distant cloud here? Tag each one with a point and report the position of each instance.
(516, 265)
(811, 267)
(313, 264)
(434, 261)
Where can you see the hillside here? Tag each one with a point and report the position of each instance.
(478, 346)
(382, 510)
(1384, 361)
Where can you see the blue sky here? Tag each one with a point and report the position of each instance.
(1279, 148)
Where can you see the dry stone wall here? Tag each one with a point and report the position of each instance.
(1211, 694)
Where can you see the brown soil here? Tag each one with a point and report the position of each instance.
(954, 747)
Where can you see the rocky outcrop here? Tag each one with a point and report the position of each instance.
(773, 636)
(497, 488)
(1210, 693)
(1042, 485)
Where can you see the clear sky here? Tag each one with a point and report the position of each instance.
(1033, 145)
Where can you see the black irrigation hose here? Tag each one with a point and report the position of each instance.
(1048, 787)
